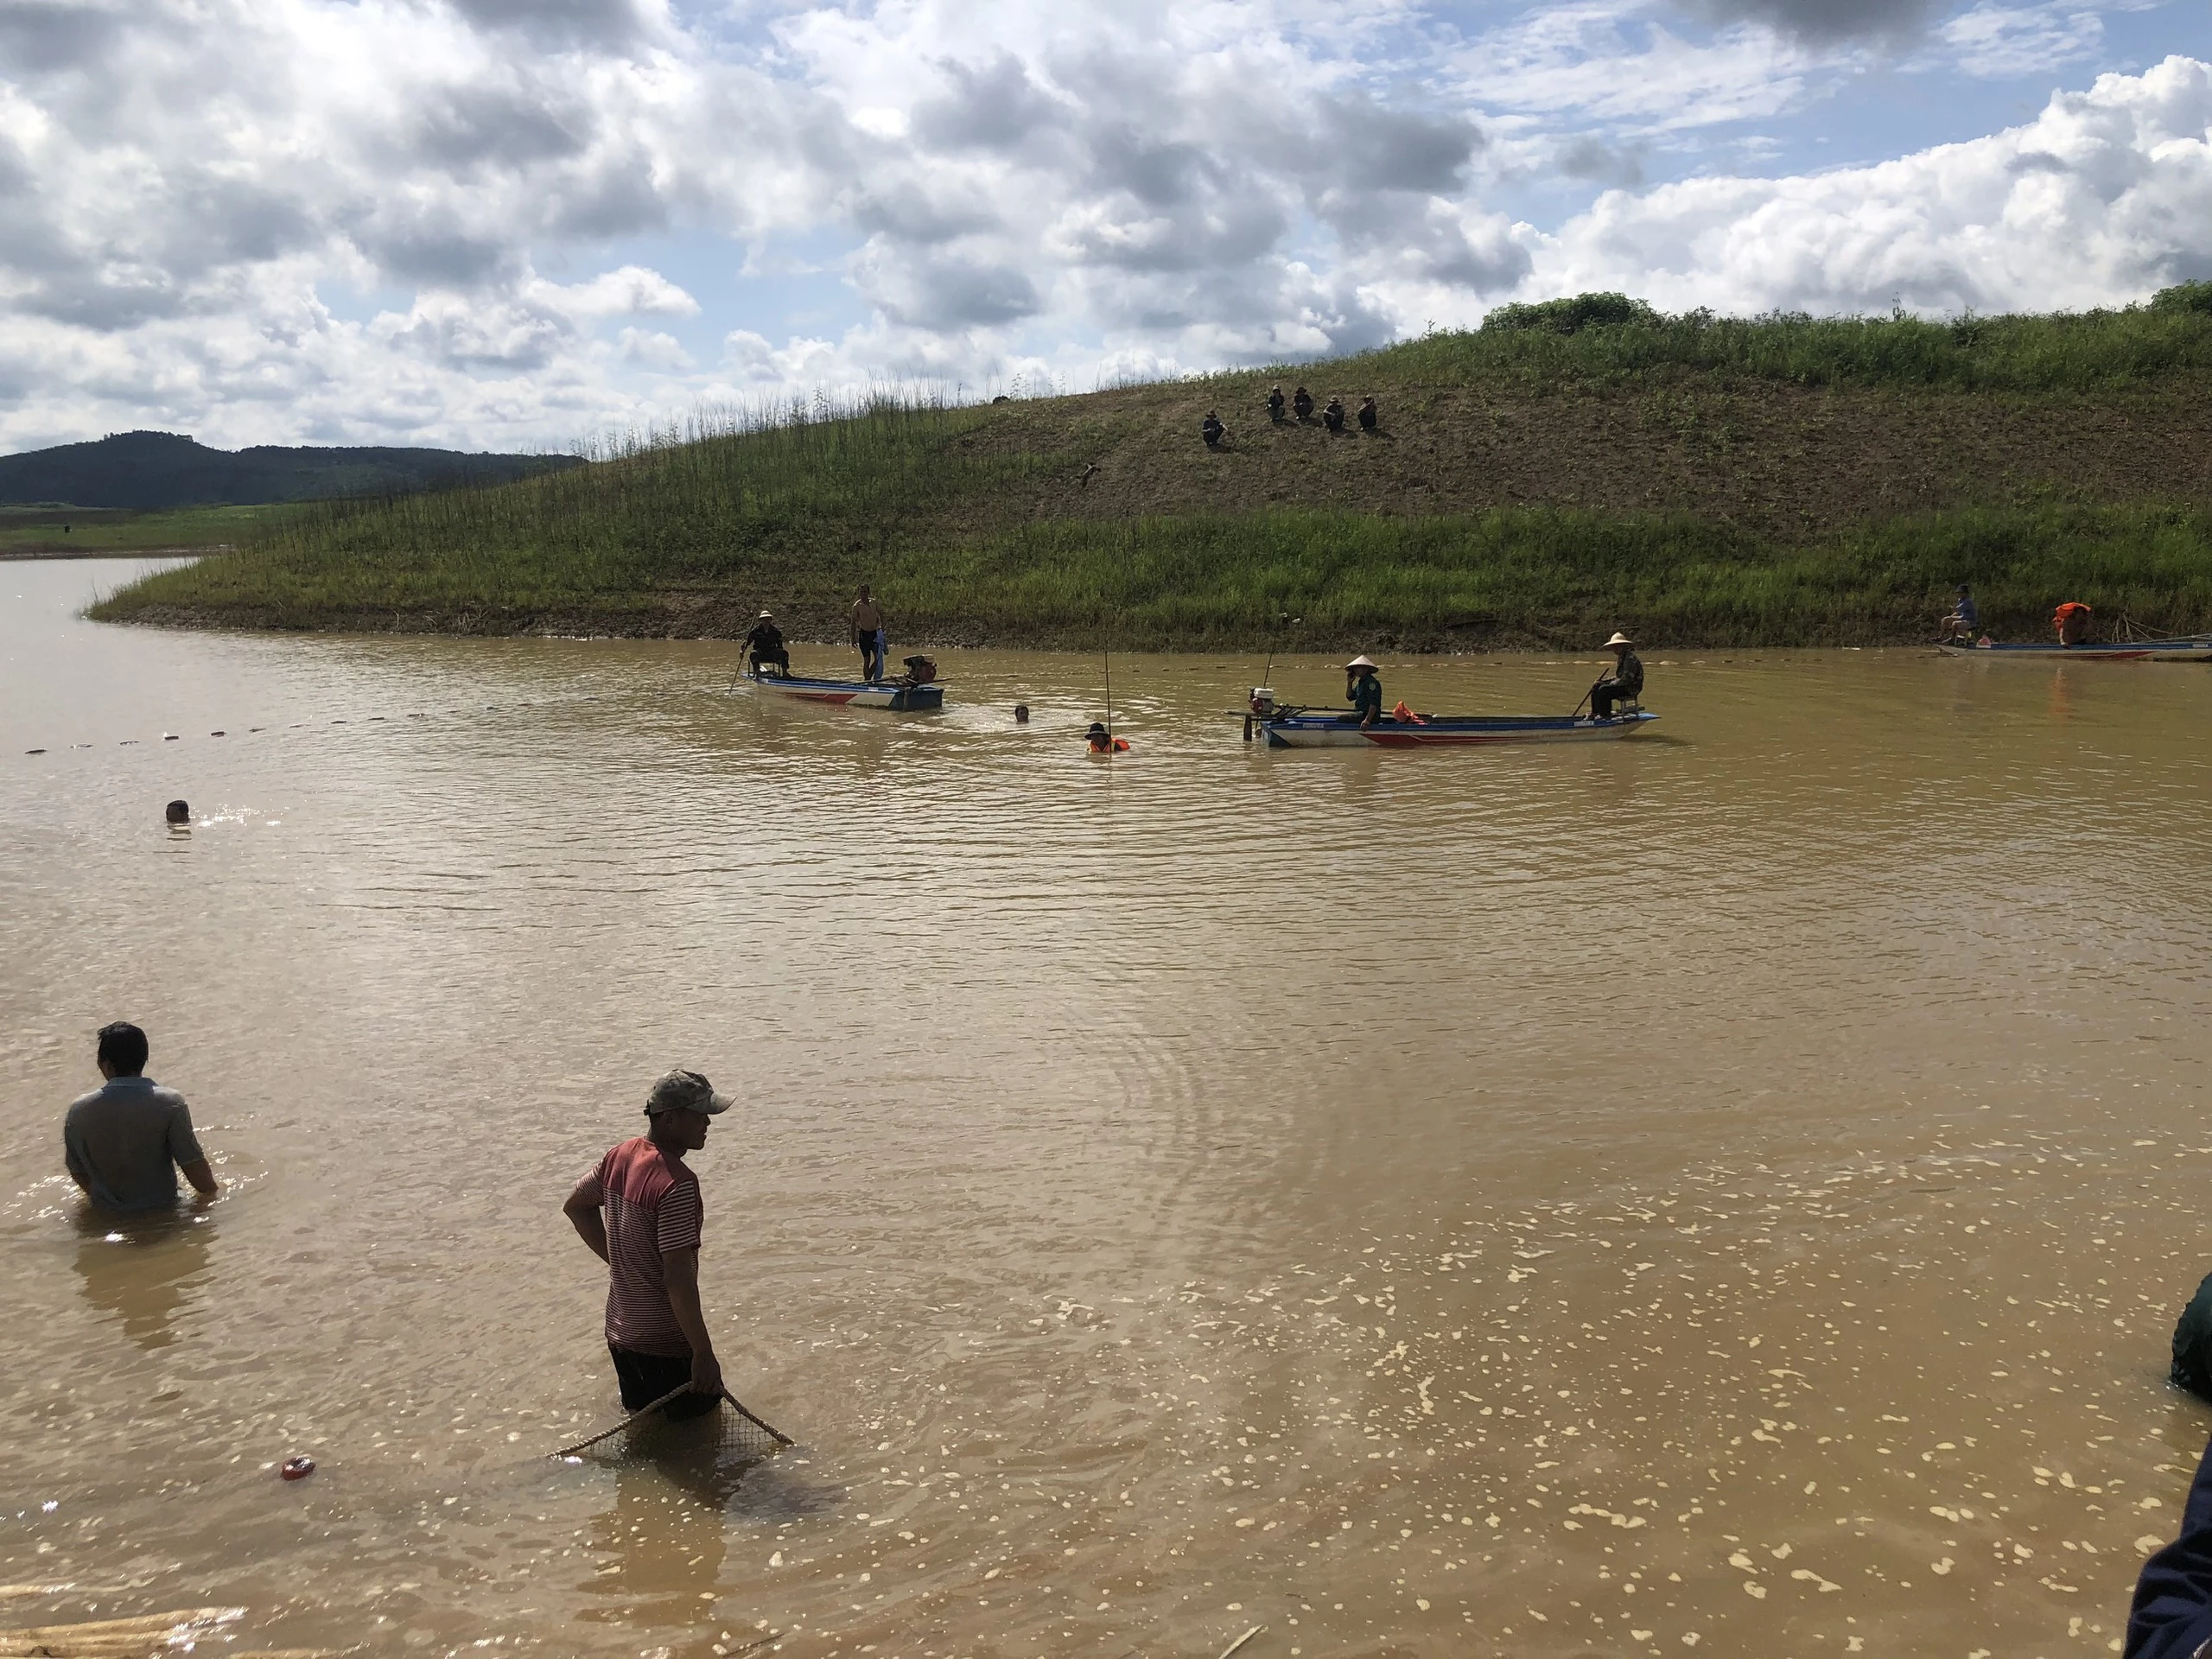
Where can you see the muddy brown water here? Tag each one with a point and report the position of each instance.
(1727, 1190)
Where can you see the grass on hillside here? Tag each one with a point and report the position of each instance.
(970, 525)
(47, 531)
(1535, 576)
(1609, 340)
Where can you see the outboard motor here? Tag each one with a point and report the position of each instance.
(1263, 701)
(920, 670)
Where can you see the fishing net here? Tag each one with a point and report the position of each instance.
(729, 1434)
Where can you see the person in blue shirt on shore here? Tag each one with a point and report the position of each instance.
(1364, 689)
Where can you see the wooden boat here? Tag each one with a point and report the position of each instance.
(903, 695)
(2197, 649)
(1302, 729)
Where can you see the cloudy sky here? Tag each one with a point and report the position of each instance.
(506, 224)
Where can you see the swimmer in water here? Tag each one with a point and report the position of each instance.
(178, 812)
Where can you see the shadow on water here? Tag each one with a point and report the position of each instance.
(146, 1270)
(658, 1549)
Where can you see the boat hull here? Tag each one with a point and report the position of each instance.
(2138, 651)
(1445, 731)
(855, 694)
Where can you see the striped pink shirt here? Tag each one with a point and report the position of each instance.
(651, 1205)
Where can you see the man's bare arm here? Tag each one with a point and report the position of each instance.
(201, 1177)
(680, 1273)
(589, 1225)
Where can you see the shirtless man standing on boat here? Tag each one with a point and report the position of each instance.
(868, 634)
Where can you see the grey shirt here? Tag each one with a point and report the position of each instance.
(125, 1139)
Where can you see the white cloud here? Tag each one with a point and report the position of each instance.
(2105, 195)
(262, 219)
(2005, 42)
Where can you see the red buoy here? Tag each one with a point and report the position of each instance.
(297, 1469)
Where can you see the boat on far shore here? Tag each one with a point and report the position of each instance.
(907, 694)
(2195, 648)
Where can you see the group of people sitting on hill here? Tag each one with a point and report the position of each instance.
(1300, 406)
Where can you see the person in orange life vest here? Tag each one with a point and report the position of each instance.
(640, 1211)
(1102, 741)
(2072, 621)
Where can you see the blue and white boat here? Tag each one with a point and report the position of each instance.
(905, 695)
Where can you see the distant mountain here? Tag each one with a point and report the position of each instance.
(152, 470)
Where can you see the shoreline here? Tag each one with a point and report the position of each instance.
(28, 552)
(366, 624)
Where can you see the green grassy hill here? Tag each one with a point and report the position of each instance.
(1566, 469)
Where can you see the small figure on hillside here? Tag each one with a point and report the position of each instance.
(1333, 416)
(1212, 430)
(1965, 620)
(1623, 684)
(1275, 405)
(1370, 418)
(766, 644)
(1301, 403)
(2072, 621)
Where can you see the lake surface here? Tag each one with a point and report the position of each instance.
(1730, 1189)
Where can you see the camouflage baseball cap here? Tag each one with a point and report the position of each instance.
(685, 1091)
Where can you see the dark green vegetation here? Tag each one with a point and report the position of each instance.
(1566, 469)
(149, 471)
(65, 532)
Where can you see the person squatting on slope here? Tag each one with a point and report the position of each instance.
(640, 1212)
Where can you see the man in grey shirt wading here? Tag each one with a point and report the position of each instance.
(126, 1140)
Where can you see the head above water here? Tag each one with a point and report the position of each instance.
(177, 812)
(1098, 729)
(123, 1050)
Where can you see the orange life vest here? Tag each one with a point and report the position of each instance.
(2068, 611)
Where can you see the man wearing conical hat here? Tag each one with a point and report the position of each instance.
(764, 644)
(1623, 684)
(1364, 689)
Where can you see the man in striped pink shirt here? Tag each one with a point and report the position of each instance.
(639, 1211)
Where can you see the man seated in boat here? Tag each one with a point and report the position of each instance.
(1623, 684)
(1364, 689)
(1965, 620)
(766, 644)
(2072, 621)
